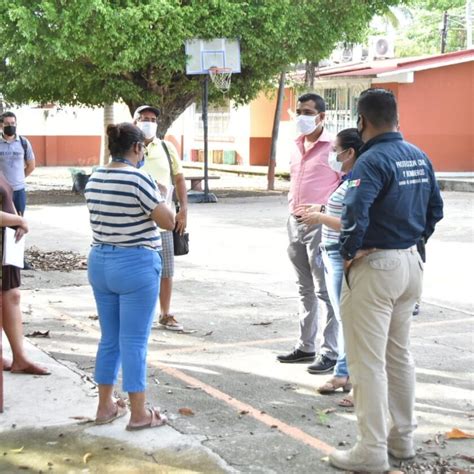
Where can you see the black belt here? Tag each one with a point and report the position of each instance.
(329, 247)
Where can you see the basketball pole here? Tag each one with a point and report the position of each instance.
(205, 100)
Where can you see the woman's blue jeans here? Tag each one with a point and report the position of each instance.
(334, 273)
(126, 285)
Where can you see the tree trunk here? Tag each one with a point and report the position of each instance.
(108, 119)
(309, 74)
(170, 109)
(276, 128)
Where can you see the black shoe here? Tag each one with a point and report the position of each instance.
(296, 356)
(321, 365)
(416, 309)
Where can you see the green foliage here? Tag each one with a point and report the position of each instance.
(94, 52)
(422, 35)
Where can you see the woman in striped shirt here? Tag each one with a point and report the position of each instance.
(124, 270)
(342, 159)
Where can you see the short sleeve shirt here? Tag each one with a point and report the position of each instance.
(120, 202)
(12, 161)
(157, 164)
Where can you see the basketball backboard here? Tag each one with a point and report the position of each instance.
(201, 55)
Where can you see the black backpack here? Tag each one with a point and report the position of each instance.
(24, 144)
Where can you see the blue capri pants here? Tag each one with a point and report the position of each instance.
(126, 285)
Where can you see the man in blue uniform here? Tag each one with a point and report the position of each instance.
(392, 202)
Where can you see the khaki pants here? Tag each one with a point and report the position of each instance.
(378, 296)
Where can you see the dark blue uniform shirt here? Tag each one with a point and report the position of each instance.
(392, 200)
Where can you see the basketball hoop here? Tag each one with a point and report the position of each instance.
(221, 78)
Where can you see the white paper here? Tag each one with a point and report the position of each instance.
(169, 195)
(13, 252)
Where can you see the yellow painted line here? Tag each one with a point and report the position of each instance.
(441, 323)
(268, 420)
(216, 346)
(289, 430)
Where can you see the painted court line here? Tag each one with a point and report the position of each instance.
(268, 420)
(216, 346)
(292, 431)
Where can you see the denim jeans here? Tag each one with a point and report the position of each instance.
(126, 284)
(334, 273)
(19, 200)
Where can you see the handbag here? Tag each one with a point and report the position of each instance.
(180, 241)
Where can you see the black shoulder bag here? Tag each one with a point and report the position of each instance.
(180, 242)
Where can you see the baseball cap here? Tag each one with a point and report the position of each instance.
(142, 108)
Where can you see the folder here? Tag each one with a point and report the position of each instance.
(13, 252)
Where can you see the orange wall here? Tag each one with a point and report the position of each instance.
(437, 114)
(66, 150)
(262, 110)
(260, 150)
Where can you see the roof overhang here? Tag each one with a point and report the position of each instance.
(407, 77)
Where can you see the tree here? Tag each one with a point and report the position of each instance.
(421, 31)
(95, 52)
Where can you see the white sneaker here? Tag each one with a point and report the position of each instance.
(359, 459)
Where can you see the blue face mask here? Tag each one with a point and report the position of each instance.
(141, 163)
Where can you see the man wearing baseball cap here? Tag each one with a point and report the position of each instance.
(163, 164)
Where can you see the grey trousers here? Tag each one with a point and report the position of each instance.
(303, 251)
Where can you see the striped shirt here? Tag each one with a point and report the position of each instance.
(334, 209)
(120, 201)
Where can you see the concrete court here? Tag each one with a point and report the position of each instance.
(235, 293)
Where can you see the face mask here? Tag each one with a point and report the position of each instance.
(333, 163)
(9, 130)
(148, 129)
(306, 124)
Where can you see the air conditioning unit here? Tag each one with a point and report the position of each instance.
(381, 47)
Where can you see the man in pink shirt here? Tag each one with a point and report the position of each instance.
(312, 182)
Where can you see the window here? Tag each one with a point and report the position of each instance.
(341, 106)
(218, 117)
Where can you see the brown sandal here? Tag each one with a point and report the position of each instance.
(30, 369)
(346, 402)
(333, 385)
(121, 411)
(157, 420)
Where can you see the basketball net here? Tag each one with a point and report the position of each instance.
(221, 78)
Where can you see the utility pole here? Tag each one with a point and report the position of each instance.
(468, 24)
(444, 32)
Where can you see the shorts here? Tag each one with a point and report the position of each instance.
(11, 278)
(167, 254)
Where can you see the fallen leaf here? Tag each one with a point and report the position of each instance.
(38, 334)
(86, 458)
(186, 412)
(18, 450)
(94, 317)
(263, 323)
(466, 457)
(328, 410)
(208, 333)
(456, 433)
(244, 412)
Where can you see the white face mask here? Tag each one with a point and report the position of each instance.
(333, 163)
(306, 124)
(148, 129)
